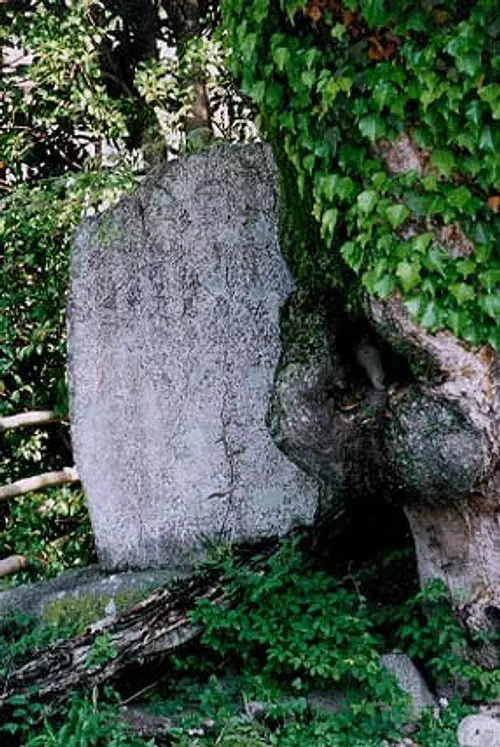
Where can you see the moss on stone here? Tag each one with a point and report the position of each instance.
(81, 610)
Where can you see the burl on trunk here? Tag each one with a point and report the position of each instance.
(390, 411)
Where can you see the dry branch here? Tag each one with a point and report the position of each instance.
(12, 564)
(36, 417)
(67, 476)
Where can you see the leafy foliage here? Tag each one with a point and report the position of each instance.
(56, 106)
(284, 634)
(84, 721)
(52, 530)
(335, 83)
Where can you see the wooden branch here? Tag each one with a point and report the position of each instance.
(35, 417)
(66, 476)
(12, 564)
(158, 624)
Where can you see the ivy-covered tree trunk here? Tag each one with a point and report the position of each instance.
(385, 118)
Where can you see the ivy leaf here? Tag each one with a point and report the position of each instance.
(308, 162)
(377, 284)
(409, 274)
(462, 292)
(258, 91)
(374, 12)
(371, 127)
(329, 221)
(486, 139)
(490, 279)
(413, 305)
(281, 56)
(274, 95)
(466, 267)
(491, 305)
(470, 64)
(367, 200)
(308, 78)
(460, 197)
(443, 161)
(353, 254)
(429, 317)
(397, 214)
(422, 242)
(338, 31)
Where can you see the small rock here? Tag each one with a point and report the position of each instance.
(410, 681)
(327, 701)
(479, 730)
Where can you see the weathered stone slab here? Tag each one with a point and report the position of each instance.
(81, 595)
(173, 342)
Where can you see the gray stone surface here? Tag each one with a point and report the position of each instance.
(173, 342)
(479, 730)
(80, 592)
(410, 681)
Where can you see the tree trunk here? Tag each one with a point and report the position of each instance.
(429, 441)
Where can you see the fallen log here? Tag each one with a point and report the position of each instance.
(66, 476)
(23, 419)
(157, 625)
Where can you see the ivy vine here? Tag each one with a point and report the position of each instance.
(340, 85)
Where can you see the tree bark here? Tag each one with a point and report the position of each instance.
(429, 442)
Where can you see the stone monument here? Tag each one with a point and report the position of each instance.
(173, 339)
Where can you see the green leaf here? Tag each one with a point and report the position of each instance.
(413, 305)
(397, 214)
(374, 12)
(466, 267)
(460, 197)
(308, 162)
(258, 91)
(486, 139)
(367, 201)
(490, 279)
(345, 188)
(353, 254)
(308, 78)
(409, 274)
(422, 242)
(443, 161)
(470, 64)
(380, 285)
(274, 95)
(338, 31)
(429, 317)
(491, 305)
(281, 56)
(462, 292)
(337, 186)
(489, 93)
(371, 127)
(329, 221)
